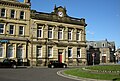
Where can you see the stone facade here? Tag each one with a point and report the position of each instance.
(36, 38)
(117, 55)
(14, 30)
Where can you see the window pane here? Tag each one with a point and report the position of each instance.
(10, 51)
(39, 32)
(1, 50)
(78, 52)
(11, 30)
(78, 36)
(69, 52)
(21, 30)
(22, 15)
(39, 51)
(12, 13)
(69, 34)
(60, 34)
(20, 52)
(3, 12)
(49, 51)
(1, 28)
(50, 33)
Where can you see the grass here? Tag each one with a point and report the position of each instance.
(104, 76)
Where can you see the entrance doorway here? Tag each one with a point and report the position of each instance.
(103, 59)
(60, 55)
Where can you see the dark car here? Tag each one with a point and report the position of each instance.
(8, 63)
(56, 64)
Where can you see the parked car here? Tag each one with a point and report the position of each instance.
(8, 63)
(56, 64)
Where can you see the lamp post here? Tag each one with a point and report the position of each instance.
(93, 59)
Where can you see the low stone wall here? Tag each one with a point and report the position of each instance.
(102, 71)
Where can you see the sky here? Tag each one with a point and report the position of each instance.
(102, 16)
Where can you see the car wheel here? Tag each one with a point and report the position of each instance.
(52, 66)
(64, 66)
(14, 66)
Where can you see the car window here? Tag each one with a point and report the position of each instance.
(5, 61)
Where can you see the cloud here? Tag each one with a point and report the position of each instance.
(90, 32)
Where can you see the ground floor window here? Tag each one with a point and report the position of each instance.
(39, 51)
(78, 53)
(49, 51)
(1, 50)
(10, 51)
(69, 52)
(20, 52)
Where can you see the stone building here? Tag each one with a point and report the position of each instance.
(14, 30)
(106, 48)
(117, 55)
(36, 37)
(57, 36)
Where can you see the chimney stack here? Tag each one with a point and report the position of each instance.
(26, 1)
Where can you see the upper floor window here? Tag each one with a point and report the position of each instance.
(78, 35)
(3, 11)
(39, 32)
(11, 29)
(69, 52)
(1, 50)
(69, 34)
(60, 33)
(1, 28)
(12, 14)
(39, 51)
(50, 32)
(22, 13)
(21, 30)
(50, 52)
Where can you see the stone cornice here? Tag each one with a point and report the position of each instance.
(14, 38)
(16, 4)
(56, 18)
(3, 21)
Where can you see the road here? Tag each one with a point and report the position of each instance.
(31, 74)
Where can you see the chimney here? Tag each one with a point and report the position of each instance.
(26, 1)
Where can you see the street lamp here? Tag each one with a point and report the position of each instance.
(93, 55)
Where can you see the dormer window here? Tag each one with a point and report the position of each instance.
(103, 45)
(95, 45)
